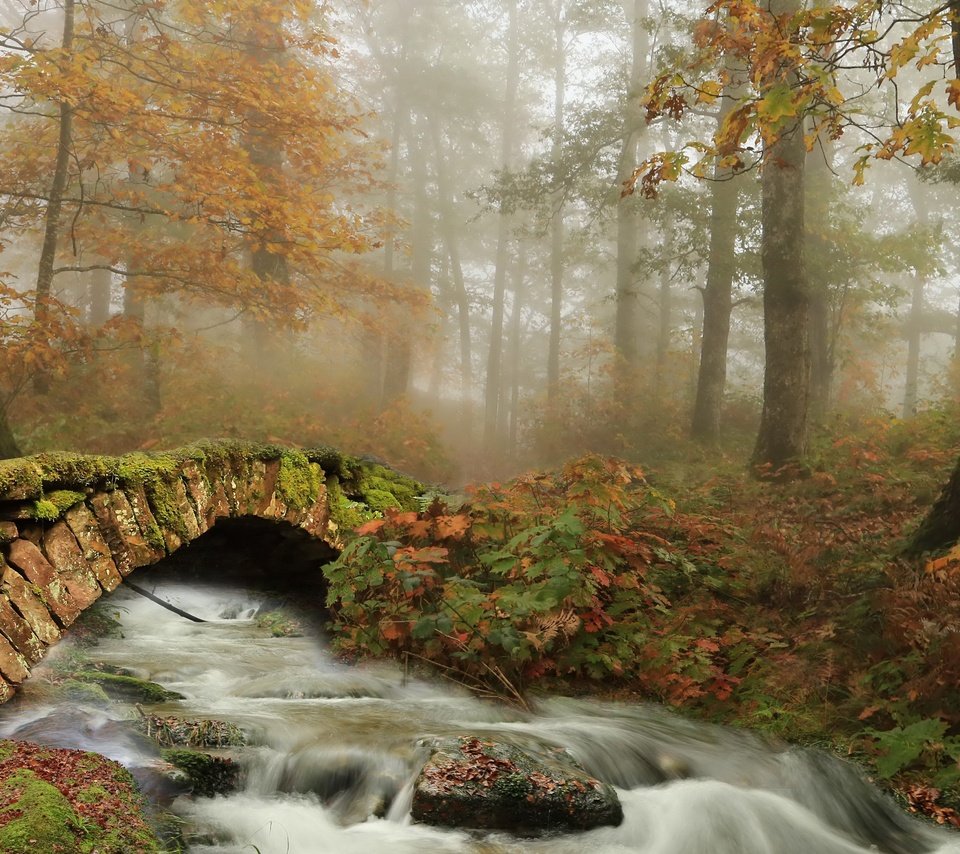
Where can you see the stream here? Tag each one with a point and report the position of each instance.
(334, 750)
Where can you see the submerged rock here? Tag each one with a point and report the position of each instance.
(467, 782)
(204, 774)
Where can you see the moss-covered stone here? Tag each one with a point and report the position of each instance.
(38, 817)
(54, 504)
(128, 688)
(345, 513)
(280, 625)
(299, 481)
(68, 802)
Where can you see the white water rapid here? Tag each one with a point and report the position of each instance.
(333, 751)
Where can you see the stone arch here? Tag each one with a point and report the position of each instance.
(73, 527)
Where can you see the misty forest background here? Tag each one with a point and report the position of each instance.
(471, 238)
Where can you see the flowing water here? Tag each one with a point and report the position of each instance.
(334, 749)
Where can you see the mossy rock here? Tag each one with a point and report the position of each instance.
(180, 732)
(68, 802)
(205, 774)
(54, 504)
(128, 688)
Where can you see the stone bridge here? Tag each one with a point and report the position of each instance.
(74, 526)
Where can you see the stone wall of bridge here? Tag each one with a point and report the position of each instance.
(72, 526)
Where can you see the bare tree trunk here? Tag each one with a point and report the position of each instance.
(495, 354)
(783, 434)
(717, 298)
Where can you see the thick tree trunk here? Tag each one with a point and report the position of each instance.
(783, 435)
(516, 345)
(492, 391)
(941, 527)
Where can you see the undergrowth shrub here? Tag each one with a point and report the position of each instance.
(574, 573)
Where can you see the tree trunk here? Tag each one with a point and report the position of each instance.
(516, 345)
(783, 435)
(556, 224)
(58, 185)
(495, 355)
(665, 328)
(627, 325)
(941, 527)
(461, 297)
(396, 381)
(101, 286)
(914, 327)
(717, 296)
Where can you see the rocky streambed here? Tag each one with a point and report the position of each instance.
(245, 734)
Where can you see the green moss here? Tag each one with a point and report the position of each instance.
(344, 513)
(299, 481)
(38, 817)
(21, 478)
(45, 511)
(380, 500)
(54, 504)
(165, 504)
(128, 688)
(136, 469)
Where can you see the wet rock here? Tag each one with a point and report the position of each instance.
(205, 775)
(467, 782)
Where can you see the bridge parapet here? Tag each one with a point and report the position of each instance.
(74, 526)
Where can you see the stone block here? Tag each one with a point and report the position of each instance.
(26, 557)
(119, 527)
(30, 606)
(186, 511)
(199, 493)
(64, 552)
(96, 552)
(19, 633)
(13, 666)
(147, 523)
(8, 532)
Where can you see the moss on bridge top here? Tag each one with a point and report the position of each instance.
(55, 481)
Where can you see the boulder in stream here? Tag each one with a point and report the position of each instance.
(468, 782)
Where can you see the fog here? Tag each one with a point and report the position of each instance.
(402, 227)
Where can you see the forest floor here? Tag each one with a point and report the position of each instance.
(780, 606)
